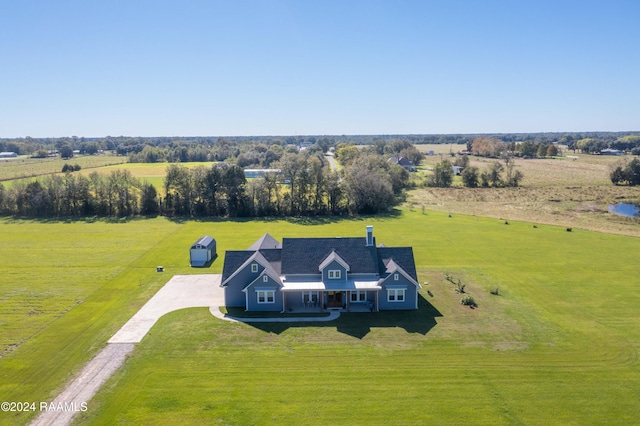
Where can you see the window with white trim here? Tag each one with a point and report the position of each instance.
(266, 296)
(265, 278)
(254, 267)
(358, 296)
(395, 295)
(396, 277)
(309, 296)
(334, 274)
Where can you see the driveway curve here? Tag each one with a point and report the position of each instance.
(190, 291)
(182, 291)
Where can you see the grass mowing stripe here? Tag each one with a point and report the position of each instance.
(559, 344)
(53, 351)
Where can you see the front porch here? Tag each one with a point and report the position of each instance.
(323, 301)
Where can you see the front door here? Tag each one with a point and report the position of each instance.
(334, 299)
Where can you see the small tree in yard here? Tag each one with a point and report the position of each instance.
(626, 174)
(468, 300)
(470, 177)
(495, 174)
(617, 175)
(515, 178)
(632, 172)
(66, 152)
(442, 176)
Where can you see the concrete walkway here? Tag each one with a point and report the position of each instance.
(215, 311)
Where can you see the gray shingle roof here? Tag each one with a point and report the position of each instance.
(304, 255)
(233, 259)
(265, 242)
(402, 256)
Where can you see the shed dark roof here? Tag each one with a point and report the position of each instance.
(304, 255)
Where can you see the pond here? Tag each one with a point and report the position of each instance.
(625, 209)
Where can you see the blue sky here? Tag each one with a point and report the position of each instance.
(238, 67)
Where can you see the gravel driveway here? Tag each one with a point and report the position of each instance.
(182, 291)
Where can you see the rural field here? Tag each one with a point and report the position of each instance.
(23, 168)
(558, 345)
(152, 173)
(572, 191)
(31, 169)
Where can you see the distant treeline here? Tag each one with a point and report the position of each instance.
(183, 149)
(303, 184)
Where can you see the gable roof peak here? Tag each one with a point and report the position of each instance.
(255, 257)
(265, 242)
(333, 256)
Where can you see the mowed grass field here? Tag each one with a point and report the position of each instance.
(558, 345)
(23, 168)
(153, 173)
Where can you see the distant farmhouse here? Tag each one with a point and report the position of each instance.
(320, 273)
(8, 154)
(403, 162)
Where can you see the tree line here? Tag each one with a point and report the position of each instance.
(495, 148)
(207, 148)
(497, 174)
(301, 183)
(118, 194)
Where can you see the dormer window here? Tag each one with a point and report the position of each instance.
(254, 267)
(334, 274)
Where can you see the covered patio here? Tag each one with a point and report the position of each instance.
(318, 296)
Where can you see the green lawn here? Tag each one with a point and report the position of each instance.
(153, 173)
(22, 168)
(557, 346)
(31, 169)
